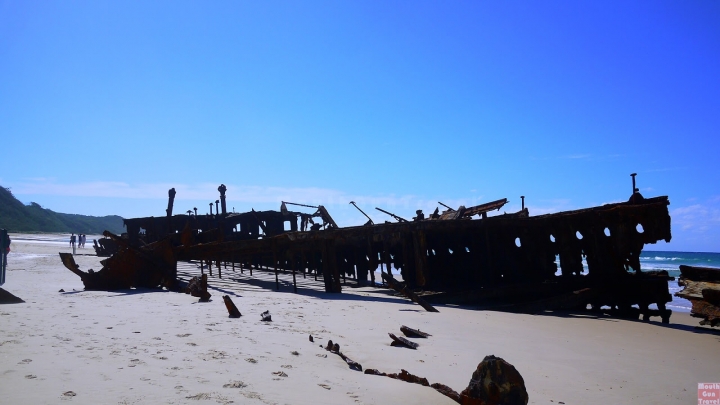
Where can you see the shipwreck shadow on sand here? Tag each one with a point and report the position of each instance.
(117, 293)
(602, 316)
(234, 282)
(264, 280)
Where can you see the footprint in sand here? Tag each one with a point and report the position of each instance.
(327, 387)
(135, 362)
(251, 360)
(286, 366)
(184, 335)
(280, 374)
(30, 376)
(25, 361)
(69, 394)
(235, 384)
(200, 396)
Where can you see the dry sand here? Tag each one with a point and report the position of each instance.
(152, 347)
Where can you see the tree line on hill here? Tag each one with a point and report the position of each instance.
(18, 217)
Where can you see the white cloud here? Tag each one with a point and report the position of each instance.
(697, 218)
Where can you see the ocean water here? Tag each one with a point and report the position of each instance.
(671, 261)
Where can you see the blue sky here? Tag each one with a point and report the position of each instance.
(106, 105)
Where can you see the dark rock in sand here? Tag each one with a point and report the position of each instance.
(495, 382)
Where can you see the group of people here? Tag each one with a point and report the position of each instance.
(80, 240)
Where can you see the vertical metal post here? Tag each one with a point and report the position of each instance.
(522, 197)
(275, 264)
(277, 282)
(633, 180)
(381, 268)
(304, 261)
(294, 281)
(169, 210)
(219, 266)
(315, 264)
(222, 190)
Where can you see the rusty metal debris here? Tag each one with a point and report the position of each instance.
(402, 289)
(105, 247)
(495, 381)
(404, 375)
(401, 341)
(702, 289)
(335, 349)
(151, 266)
(458, 256)
(410, 332)
(197, 287)
(397, 218)
(232, 309)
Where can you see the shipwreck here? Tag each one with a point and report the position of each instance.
(512, 261)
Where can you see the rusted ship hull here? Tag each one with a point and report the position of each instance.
(500, 259)
(508, 260)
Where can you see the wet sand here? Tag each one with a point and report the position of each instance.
(149, 346)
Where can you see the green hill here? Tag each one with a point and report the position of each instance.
(18, 217)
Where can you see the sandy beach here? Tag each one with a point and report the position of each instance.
(153, 346)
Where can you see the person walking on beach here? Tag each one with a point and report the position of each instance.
(82, 241)
(72, 240)
(6, 242)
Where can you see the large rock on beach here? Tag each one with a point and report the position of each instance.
(495, 382)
